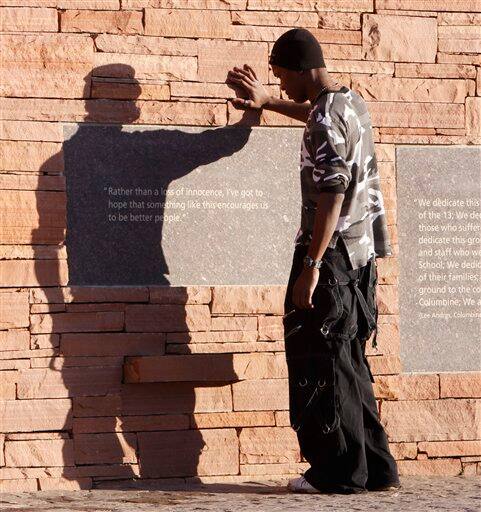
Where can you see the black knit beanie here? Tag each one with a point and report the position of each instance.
(297, 49)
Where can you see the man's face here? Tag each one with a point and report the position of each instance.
(291, 82)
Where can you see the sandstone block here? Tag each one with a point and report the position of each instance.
(189, 453)
(31, 156)
(77, 322)
(110, 88)
(262, 470)
(157, 67)
(212, 337)
(459, 59)
(111, 22)
(450, 448)
(89, 406)
(232, 419)
(167, 318)
(112, 344)
(234, 323)
(428, 5)
(423, 115)
(460, 45)
(360, 66)
(14, 312)
(15, 339)
(69, 382)
(246, 396)
(410, 89)
(44, 341)
(47, 452)
(312, 5)
(30, 130)
(387, 299)
(89, 4)
(399, 38)
(385, 153)
(248, 299)
(147, 423)
(288, 19)
(403, 450)
(178, 23)
(270, 327)
(473, 115)
(339, 20)
(197, 367)
(19, 485)
(146, 45)
(430, 420)
(460, 385)
(33, 272)
(174, 398)
(385, 364)
(407, 387)
(443, 71)
(459, 18)
(111, 448)
(48, 83)
(87, 294)
(35, 415)
(185, 4)
(64, 484)
(444, 467)
(28, 19)
(216, 58)
(259, 366)
(268, 445)
(179, 294)
(46, 51)
(216, 348)
(388, 268)
(388, 341)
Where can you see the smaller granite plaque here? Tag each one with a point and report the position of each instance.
(439, 198)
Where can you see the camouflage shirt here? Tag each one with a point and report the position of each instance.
(337, 155)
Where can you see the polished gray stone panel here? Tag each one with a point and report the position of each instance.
(438, 200)
(134, 216)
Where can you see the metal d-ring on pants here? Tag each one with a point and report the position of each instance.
(332, 406)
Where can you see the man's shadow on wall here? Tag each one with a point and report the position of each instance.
(110, 173)
(106, 413)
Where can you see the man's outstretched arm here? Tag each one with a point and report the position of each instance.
(289, 108)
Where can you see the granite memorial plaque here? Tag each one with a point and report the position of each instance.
(181, 205)
(439, 228)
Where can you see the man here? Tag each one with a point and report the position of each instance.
(330, 303)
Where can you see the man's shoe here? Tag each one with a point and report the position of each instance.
(300, 484)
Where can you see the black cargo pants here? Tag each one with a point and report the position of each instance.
(332, 406)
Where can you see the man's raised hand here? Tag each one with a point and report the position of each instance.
(252, 95)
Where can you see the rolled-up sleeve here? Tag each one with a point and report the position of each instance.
(329, 145)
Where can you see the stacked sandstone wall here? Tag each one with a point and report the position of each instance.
(205, 390)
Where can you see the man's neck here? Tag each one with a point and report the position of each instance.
(320, 82)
